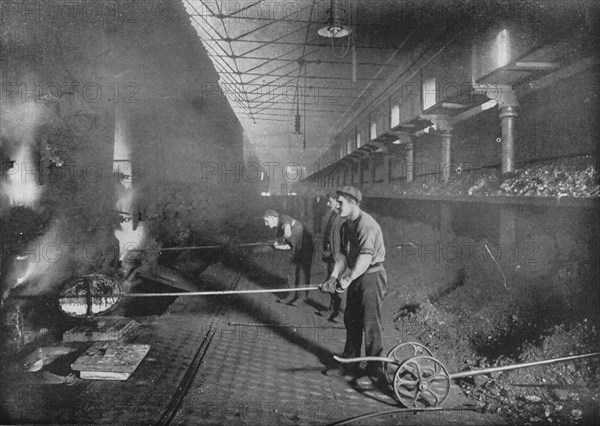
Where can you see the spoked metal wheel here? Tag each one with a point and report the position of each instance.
(401, 353)
(422, 382)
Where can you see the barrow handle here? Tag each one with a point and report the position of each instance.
(366, 358)
(517, 366)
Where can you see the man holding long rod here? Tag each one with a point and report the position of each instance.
(291, 235)
(360, 271)
(332, 224)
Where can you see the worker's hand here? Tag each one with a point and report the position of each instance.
(329, 285)
(342, 284)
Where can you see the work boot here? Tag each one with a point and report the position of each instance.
(289, 301)
(365, 383)
(333, 316)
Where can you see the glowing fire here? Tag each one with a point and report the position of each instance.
(20, 185)
(17, 127)
(129, 239)
(38, 263)
(30, 268)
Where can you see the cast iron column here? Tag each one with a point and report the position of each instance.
(446, 154)
(508, 114)
(410, 161)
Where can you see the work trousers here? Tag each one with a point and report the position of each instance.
(363, 315)
(298, 274)
(336, 300)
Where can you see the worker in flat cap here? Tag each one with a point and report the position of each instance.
(361, 274)
(291, 235)
(331, 226)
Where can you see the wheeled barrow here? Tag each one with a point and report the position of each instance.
(420, 380)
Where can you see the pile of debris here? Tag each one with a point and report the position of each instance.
(564, 392)
(562, 178)
(569, 177)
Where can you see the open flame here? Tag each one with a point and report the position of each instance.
(20, 185)
(39, 263)
(29, 269)
(17, 128)
(130, 239)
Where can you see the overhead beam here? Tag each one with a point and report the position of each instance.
(308, 44)
(473, 111)
(222, 16)
(318, 61)
(536, 66)
(566, 72)
(308, 77)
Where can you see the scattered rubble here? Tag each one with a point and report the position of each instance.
(574, 177)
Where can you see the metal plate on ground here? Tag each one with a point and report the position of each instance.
(110, 360)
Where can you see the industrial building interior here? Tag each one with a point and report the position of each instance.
(141, 142)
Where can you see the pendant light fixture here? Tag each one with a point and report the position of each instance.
(336, 25)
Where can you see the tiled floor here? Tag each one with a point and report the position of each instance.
(259, 362)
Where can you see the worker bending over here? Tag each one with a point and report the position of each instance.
(291, 235)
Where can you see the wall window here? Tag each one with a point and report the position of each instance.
(348, 145)
(429, 97)
(502, 48)
(373, 130)
(357, 140)
(395, 116)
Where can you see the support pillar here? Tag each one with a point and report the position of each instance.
(444, 126)
(507, 104)
(508, 122)
(446, 158)
(410, 161)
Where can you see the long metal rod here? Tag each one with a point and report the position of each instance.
(190, 248)
(244, 324)
(214, 293)
(516, 366)
(213, 247)
(172, 294)
(473, 372)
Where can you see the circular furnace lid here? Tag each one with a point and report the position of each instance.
(89, 295)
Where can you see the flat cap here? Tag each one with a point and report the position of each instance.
(352, 191)
(271, 212)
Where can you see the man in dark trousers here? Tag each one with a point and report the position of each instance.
(318, 211)
(360, 271)
(331, 226)
(292, 236)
